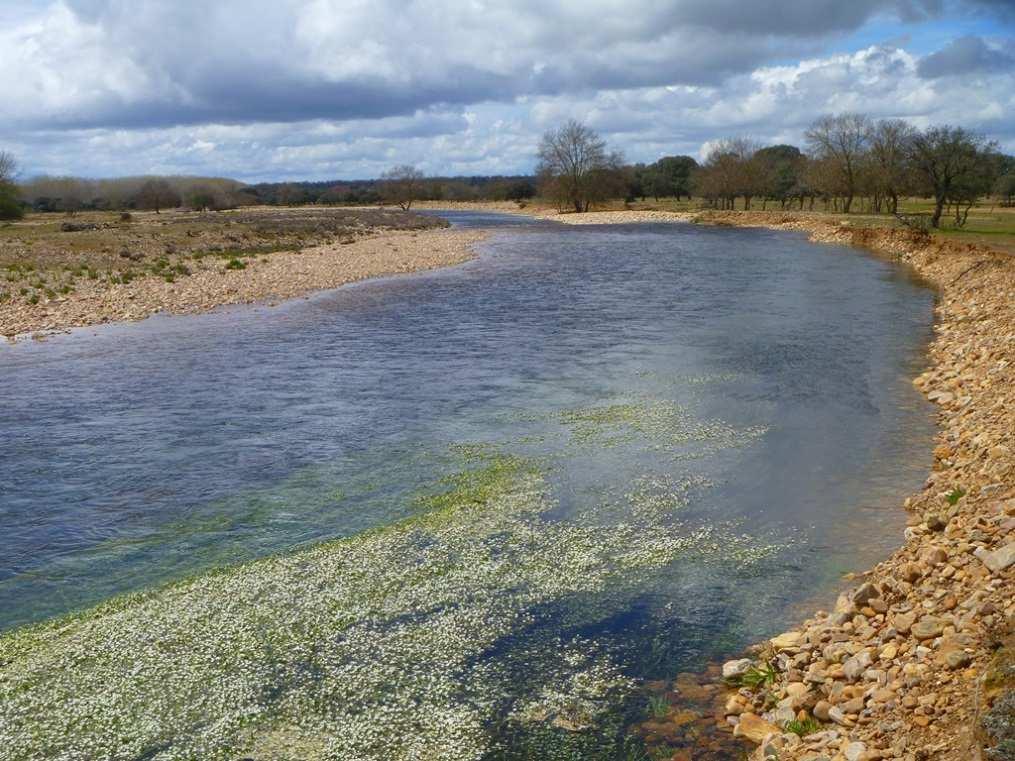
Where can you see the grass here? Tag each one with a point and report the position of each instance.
(803, 728)
(955, 495)
(755, 677)
(988, 224)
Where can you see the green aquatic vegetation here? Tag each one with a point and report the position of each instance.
(658, 706)
(364, 648)
(659, 425)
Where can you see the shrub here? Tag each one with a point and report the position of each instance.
(10, 206)
(235, 264)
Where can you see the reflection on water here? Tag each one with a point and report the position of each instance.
(631, 448)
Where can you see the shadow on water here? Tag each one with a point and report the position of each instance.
(737, 402)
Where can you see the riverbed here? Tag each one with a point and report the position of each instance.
(590, 457)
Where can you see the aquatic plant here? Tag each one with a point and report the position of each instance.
(371, 647)
(658, 706)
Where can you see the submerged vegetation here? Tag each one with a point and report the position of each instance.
(430, 637)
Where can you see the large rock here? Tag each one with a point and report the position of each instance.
(854, 667)
(903, 622)
(928, 627)
(854, 751)
(998, 560)
(787, 641)
(733, 669)
(754, 728)
(864, 593)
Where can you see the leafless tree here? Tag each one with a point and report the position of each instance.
(402, 185)
(8, 168)
(841, 140)
(157, 194)
(731, 170)
(10, 204)
(575, 167)
(889, 141)
(950, 162)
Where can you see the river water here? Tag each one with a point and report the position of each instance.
(628, 449)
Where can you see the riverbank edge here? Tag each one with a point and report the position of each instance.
(916, 662)
(913, 663)
(275, 278)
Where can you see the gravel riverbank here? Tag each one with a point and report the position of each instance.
(269, 277)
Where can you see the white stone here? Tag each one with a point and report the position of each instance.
(732, 669)
(998, 560)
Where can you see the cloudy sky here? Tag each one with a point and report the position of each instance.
(321, 89)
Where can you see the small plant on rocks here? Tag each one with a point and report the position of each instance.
(955, 495)
(803, 728)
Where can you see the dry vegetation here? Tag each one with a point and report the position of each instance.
(58, 271)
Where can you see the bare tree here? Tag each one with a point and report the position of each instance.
(950, 161)
(730, 170)
(889, 141)
(575, 167)
(157, 194)
(8, 168)
(841, 140)
(402, 185)
(10, 205)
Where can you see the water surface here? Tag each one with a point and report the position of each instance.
(739, 397)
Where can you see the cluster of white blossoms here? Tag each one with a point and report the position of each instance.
(381, 646)
(653, 424)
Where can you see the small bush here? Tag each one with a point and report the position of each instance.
(126, 216)
(235, 264)
(803, 728)
(10, 207)
(955, 495)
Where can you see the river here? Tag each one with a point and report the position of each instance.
(592, 456)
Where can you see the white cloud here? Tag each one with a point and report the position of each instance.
(344, 88)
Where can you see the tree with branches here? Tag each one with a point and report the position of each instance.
(402, 185)
(157, 194)
(950, 162)
(10, 205)
(575, 167)
(841, 142)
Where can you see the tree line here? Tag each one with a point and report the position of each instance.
(850, 161)
(72, 194)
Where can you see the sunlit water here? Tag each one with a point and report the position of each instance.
(667, 380)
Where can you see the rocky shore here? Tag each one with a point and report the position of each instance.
(271, 277)
(917, 660)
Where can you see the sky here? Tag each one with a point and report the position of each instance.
(272, 90)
